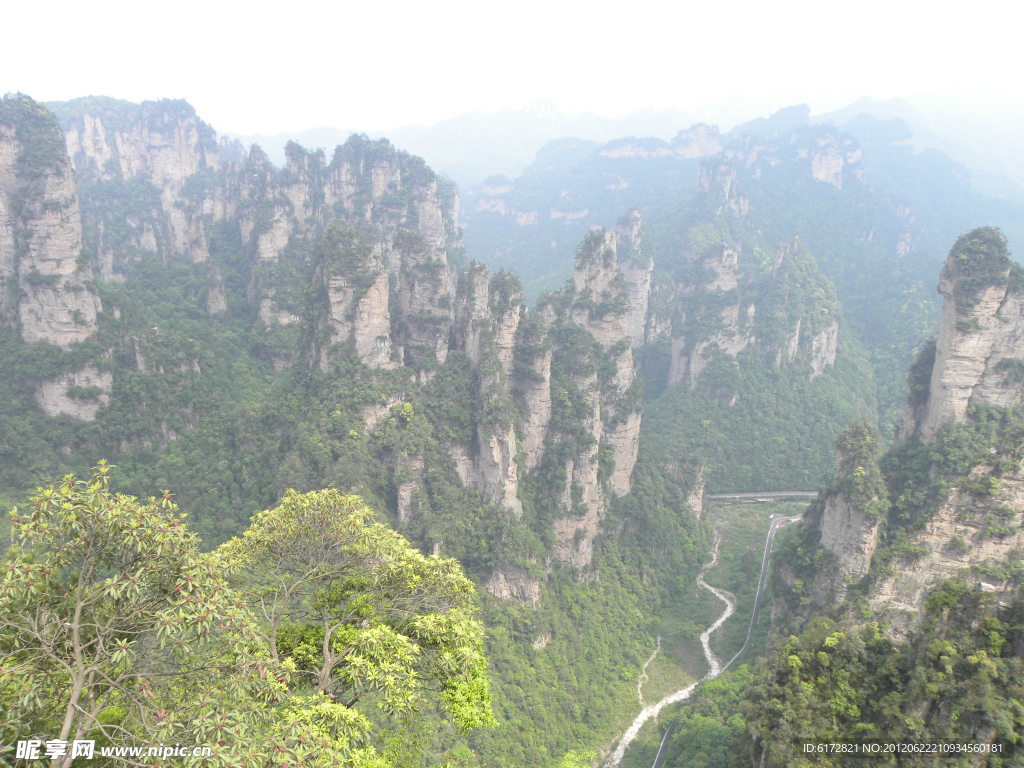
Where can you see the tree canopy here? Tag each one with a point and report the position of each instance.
(296, 642)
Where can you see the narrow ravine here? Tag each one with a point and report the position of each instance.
(715, 667)
(714, 664)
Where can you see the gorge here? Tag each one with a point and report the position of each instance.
(231, 333)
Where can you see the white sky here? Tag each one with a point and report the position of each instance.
(256, 68)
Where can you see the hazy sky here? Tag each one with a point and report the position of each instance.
(256, 67)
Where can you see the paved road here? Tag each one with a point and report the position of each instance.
(764, 495)
(714, 665)
(777, 521)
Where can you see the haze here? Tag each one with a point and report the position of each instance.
(252, 68)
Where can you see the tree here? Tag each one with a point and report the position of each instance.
(574, 759)
(365, 620)
(114, 627)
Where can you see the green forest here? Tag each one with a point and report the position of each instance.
(330, 479)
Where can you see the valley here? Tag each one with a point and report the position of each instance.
(572, 411)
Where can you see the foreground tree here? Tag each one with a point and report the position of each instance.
(365, 620)
(114, 627)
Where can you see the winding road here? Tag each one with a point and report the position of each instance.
(715, 667)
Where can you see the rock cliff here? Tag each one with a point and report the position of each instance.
(157, 162)
(388, 284)
(487, 319)
(957, 506)
(155, 183)
(45, 287)
(594, 375)
(975, 522)
(973, 535)
(851, 509)
(558, 389)
(560, 420)
(341, 261)
(729, 300)
(979, 353)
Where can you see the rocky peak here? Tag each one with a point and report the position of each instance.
(162, 141)
(473, 311)
(700, 140)
(356, 281)
(554, 362)
(730, 299)
(834, 158)
(809, 335)
(46, 288)
(958, 505)
(611, 283)
(601, 305)
(720, 181)
(487, 316)
(488, 312)
(636, 265)
(979, 353)
(397, 201)
(399, 216)
(160, 146)
(958, 536)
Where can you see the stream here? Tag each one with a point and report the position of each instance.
(714, 665)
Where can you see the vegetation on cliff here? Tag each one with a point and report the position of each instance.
(229, 332)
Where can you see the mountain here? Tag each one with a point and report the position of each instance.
(229, 329)
(258, 329)
(897, 608)
(471, 147)
(876, 214)
(977, 131)
(943, 499)
(47, 290)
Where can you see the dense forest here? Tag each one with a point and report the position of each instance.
(301, 472)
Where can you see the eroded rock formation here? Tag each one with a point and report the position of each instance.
(45, 287)
(979, 354)
(351, 257)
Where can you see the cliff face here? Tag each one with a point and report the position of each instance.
(849, 513)
(156, 185)
(964, 506)
(383, 263)
(558, 387)
(978, 360)
(390, 291)
(979, 353)
(356, 282)
(342, 260)
(611, 286)
(729, 300)
(560, 414)
(487, 319)
(969, 529)
(47, 290)
(154, 159)
(594, 374)
(731, 326)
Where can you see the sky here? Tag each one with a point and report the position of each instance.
(257, 68)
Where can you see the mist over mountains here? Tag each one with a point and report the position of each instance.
(526, 393)
(977, 132)
(470, 147)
